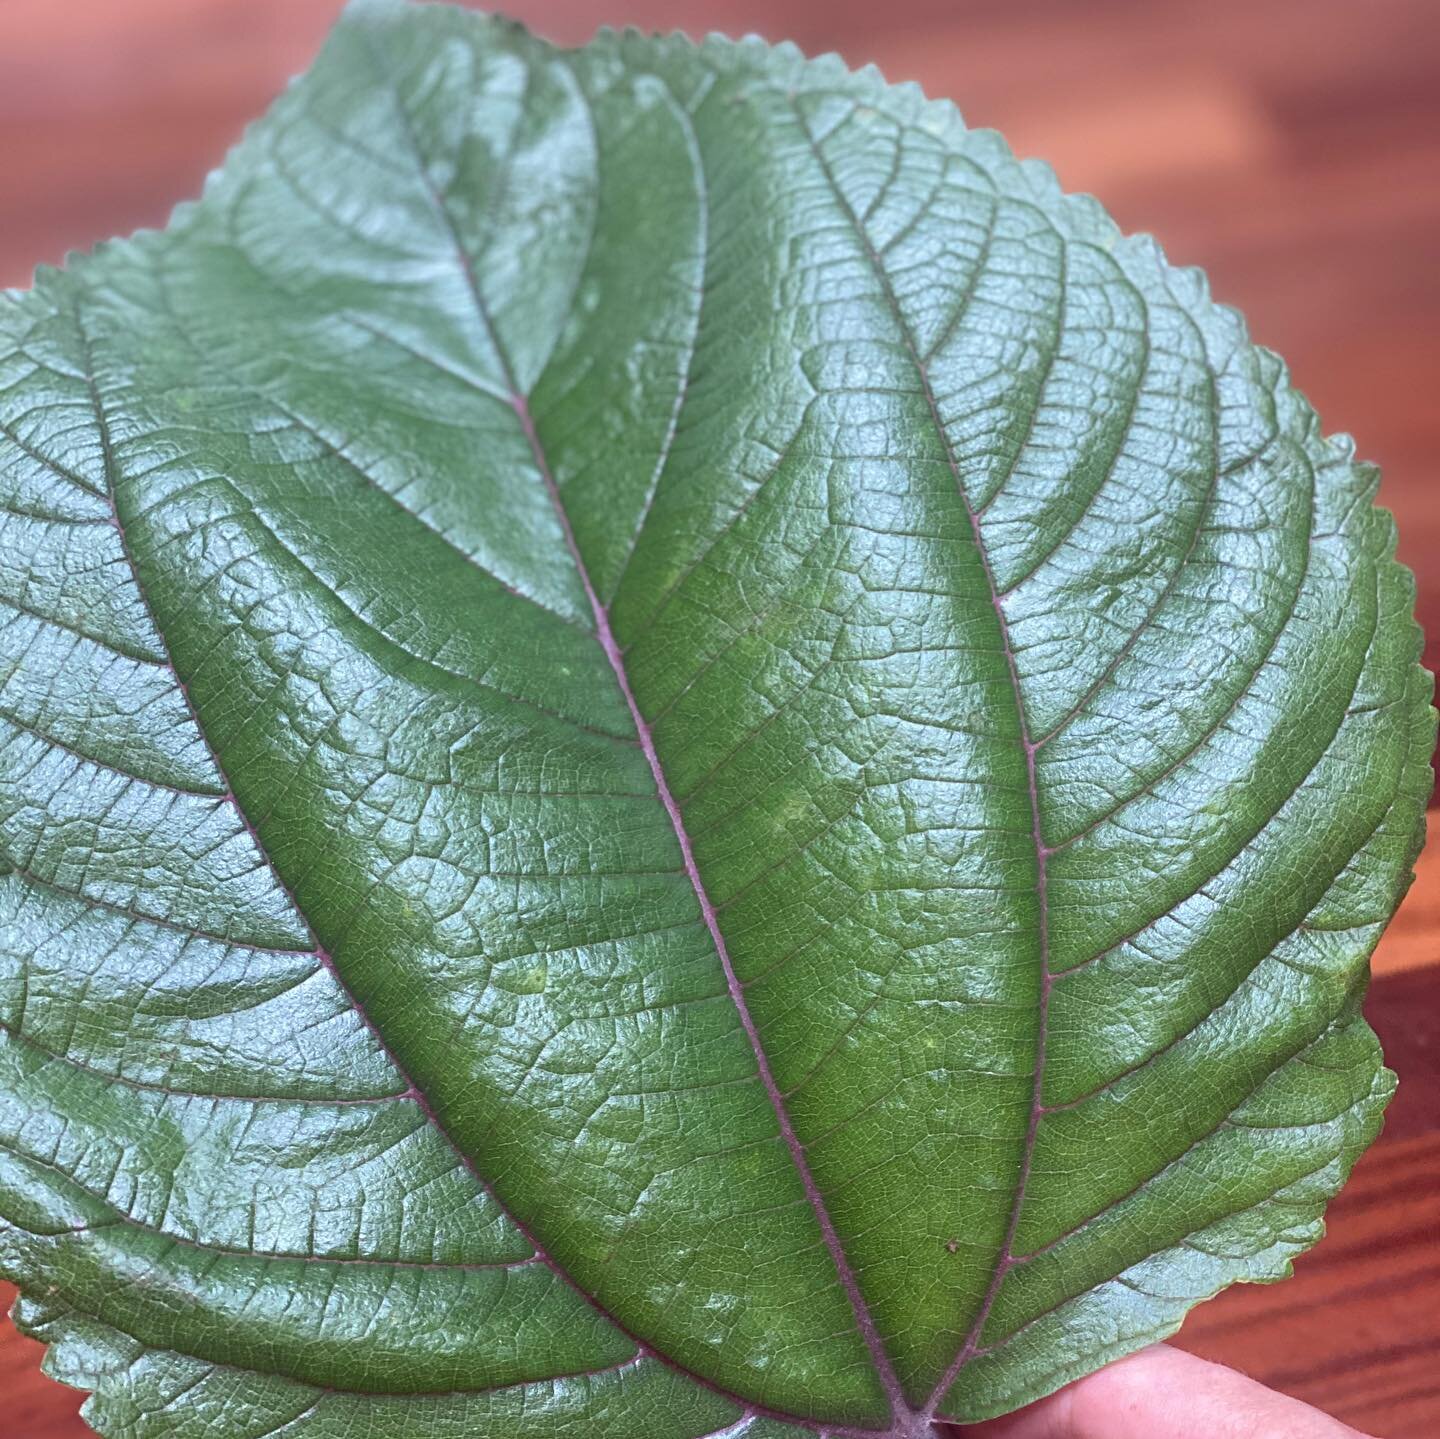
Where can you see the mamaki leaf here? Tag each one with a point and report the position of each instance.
(678, 757)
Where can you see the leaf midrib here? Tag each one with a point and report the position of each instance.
(605, 636)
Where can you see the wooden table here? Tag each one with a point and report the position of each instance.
(1292, 147)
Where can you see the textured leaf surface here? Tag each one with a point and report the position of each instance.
(678, 757)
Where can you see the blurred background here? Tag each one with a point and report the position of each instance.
(1291, 147)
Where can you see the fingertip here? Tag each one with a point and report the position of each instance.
(1164, 1393)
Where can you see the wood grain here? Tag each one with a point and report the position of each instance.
(1292, 147)
(1357, 1331)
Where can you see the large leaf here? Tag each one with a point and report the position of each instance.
(680, 757)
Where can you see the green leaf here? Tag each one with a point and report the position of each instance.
(678, 756)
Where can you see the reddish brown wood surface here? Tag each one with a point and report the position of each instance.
(1292, 147)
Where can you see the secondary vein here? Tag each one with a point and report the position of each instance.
(1005, 1260)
